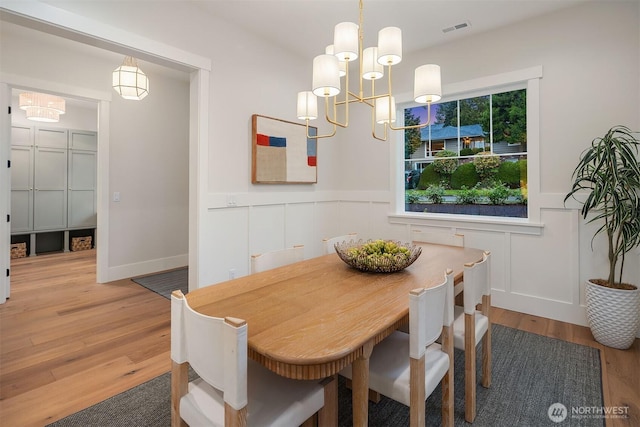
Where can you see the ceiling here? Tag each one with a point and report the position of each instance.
(306, 26)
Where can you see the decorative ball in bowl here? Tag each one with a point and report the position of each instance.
(378, 256)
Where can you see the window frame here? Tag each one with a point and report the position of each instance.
(528, 79)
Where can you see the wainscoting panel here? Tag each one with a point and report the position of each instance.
(267, 226)
(225, 241)
(301, 228)
(544, 266)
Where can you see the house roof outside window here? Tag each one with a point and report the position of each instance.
(441, 132)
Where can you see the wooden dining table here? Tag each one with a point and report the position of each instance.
(310, 319)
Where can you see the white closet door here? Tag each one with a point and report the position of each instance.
(21, 188)
(50, 196)
(83, 207)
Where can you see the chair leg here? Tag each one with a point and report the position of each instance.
(328, 415)
(179, 385)
(417, 392)
(235, 417)
(447, 382)
(486, 343)
(469, 367)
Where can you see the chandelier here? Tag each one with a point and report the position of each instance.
(129, 80)
(329, 68)
(41, 107)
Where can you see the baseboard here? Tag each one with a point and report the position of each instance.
(146, 267)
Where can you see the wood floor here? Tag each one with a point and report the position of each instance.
(67, 342)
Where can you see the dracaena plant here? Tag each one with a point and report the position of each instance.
(609, 174)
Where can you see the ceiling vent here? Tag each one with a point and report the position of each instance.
(460, 26)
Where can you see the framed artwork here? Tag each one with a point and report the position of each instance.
(282, 153)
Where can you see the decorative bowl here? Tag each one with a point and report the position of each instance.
(378, 256)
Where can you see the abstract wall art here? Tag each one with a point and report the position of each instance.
(282, 153)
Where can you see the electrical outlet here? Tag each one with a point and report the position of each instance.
(232, 273)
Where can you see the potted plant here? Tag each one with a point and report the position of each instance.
(609, 174)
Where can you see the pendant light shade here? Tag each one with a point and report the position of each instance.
(390, 46)
(129, 80)
(345, 41)
(341, 64)
(42, 107)
(326, 76)
(384, 110)
(307, 106)
(371, 68)
(427, 86)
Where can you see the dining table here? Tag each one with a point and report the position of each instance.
(310, 319)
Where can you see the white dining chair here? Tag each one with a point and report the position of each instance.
(408, 367)
(472, 326)
(328, 244)
(278, 258)
(231, 390)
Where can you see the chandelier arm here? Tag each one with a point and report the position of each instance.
(373, 127)
(418, 126)
(329, 135)
(373, 133)
(335, 113)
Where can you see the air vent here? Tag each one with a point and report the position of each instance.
(460, 26)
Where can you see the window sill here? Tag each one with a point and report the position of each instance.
(484, 223)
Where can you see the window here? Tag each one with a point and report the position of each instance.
(472, 157)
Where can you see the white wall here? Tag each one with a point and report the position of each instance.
(148, 144)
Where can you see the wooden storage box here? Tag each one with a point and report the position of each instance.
(80, 243)
(18, 250)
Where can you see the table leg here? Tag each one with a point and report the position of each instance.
(360, 391)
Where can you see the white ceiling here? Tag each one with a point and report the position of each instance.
(306, 26)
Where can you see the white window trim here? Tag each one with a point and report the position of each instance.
(480, 86)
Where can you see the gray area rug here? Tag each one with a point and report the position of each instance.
(530, 373)
(165, 283)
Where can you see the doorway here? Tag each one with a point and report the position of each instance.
(197, 134)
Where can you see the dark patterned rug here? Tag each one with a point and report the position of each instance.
(165, 283)
(530, 374)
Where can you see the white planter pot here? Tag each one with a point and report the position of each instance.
(613, 315)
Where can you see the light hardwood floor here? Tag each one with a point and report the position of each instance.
(67, 342)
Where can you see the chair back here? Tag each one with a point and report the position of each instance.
(274, 259)
(328, 244)
(437, 237)
(429, 310)
(215, 348)
(476, 282)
